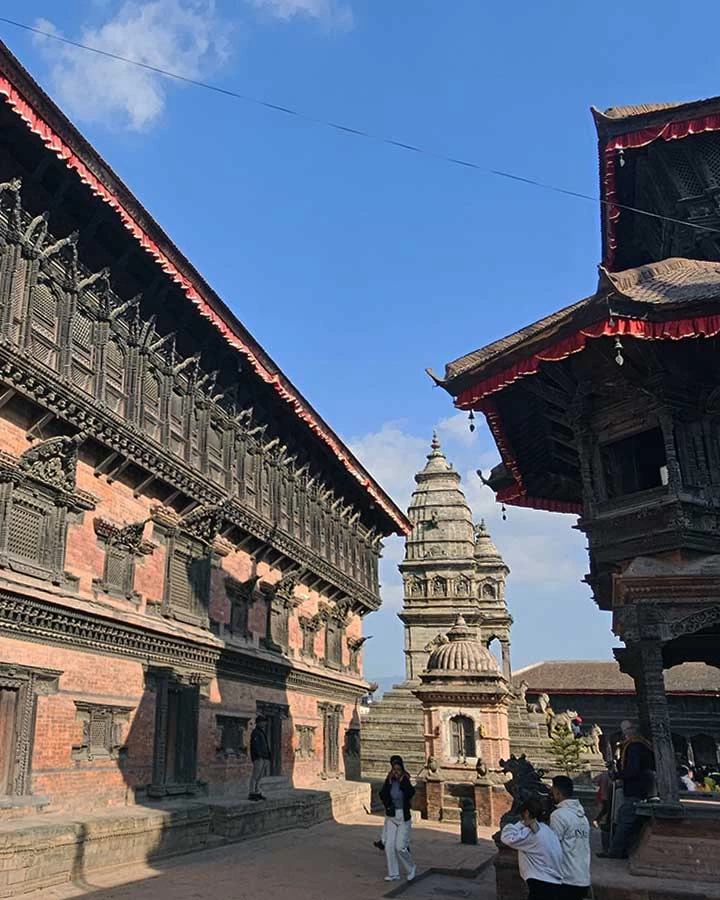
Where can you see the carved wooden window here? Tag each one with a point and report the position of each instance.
(462, 737)
(231, 736)
(151, 405)
(115, 389)
(215, 455)
(240, 603)
(635, 463)
(44, 324)
(119, 571)
(102, 730)
(187, 586)
(249, 466)
(177, 422)
(309, 630)
(333, 643)
(82, 352)
(305, 741)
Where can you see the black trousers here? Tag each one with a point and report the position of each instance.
(542, 890)
(572, 892)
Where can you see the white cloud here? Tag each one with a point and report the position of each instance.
(332, 13)
(182, 36)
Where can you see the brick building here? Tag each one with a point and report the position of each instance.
(183, 541)
(601, 693)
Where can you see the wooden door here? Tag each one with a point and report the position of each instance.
(8, 718)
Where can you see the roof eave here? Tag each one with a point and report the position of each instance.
(61, 131)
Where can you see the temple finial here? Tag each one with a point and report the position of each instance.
(435, 444)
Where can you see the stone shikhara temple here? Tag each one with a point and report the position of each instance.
(184, 543)
(458, 713)
(610, 410)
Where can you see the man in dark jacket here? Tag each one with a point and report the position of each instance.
(636, 770)
(260, 756)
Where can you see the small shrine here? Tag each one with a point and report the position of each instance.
(465, 702)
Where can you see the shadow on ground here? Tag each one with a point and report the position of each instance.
(333, 859)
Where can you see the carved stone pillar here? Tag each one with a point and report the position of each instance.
(651, 695)
(507, 672)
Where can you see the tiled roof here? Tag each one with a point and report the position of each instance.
(671, 282)
(625, 112)
(498, 348)
(598, 676)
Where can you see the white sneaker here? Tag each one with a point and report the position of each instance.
(392, 878)
(411, 874)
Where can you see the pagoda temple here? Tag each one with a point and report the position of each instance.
(609, 410)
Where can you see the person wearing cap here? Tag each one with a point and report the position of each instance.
(576, 726)
(260, 756)
(396, 794)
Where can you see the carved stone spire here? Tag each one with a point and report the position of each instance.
(451, 568)
(439, 512)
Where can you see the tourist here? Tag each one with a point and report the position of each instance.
(396, 794)
(539, 852)
(687, 781)
(570, 824)
(576, 726)
(260, 756)
(636, 771)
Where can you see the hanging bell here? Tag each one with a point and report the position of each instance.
(471, 418)
(504, 513)
(621, 157)
(619, 358)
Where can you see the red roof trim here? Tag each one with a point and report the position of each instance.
(478, 396)
(670, 131)
(64, 152)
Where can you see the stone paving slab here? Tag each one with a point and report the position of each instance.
(331, 860)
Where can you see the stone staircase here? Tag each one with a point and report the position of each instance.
(393, 725)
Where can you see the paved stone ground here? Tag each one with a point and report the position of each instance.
(332, 860)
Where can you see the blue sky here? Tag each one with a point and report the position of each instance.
(355, 264)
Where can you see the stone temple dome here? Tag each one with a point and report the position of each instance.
(463, 652)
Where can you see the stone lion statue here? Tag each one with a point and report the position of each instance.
(592, 740)
(561, 720)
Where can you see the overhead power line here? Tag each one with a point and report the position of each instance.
(356, 132)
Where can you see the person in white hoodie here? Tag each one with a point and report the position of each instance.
(539, 852)
(570, 824)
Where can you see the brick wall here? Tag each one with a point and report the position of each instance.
(102, 679)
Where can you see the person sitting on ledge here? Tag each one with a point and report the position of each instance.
(636, 770)
(687, 782)
(539, 852)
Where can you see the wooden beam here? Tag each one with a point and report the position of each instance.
(38, 425)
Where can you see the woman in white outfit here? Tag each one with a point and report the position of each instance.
(396, 794)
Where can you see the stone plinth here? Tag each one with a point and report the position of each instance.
(508, 883)
(684, 847)
(492, 801)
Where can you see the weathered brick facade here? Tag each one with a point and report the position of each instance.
(184, 543)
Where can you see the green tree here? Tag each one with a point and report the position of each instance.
(566, 750)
